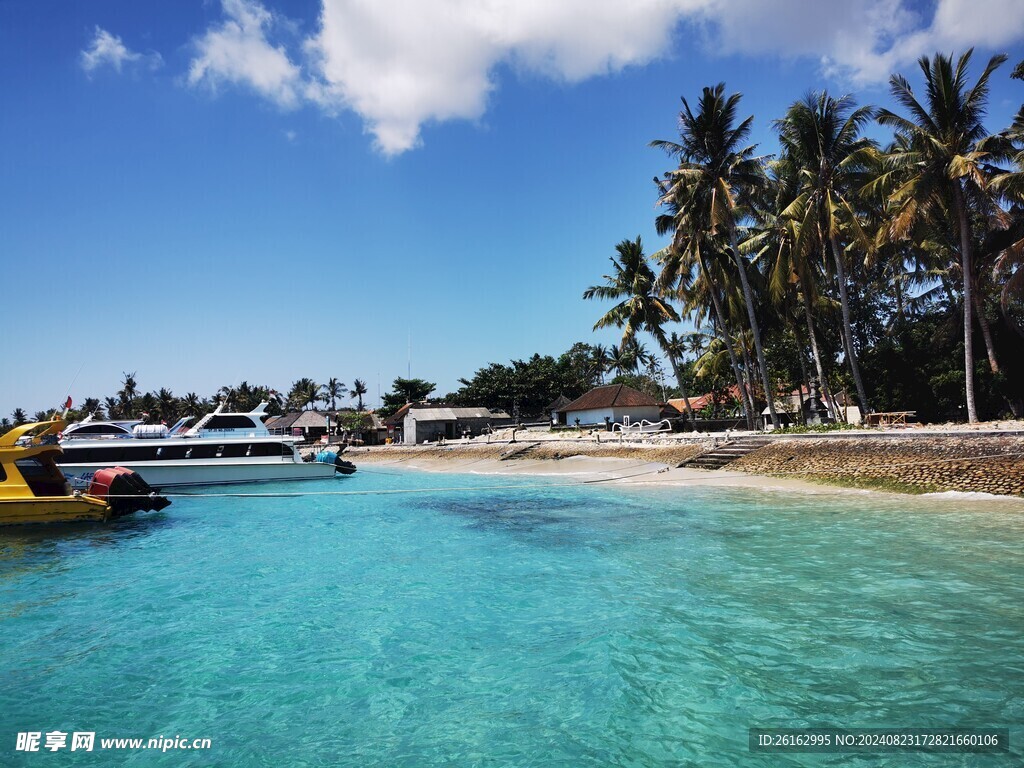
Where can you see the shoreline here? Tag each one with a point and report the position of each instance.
(986, 466)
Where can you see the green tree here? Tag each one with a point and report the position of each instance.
(942, 165)
(712, 184)
(304, 392)
(332, 391)
(405, 391)
(359, 389)
(821, 138)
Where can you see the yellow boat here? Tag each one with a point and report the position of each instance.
(34, 490)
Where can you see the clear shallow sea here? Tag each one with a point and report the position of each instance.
(527, 626)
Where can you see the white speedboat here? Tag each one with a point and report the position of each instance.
(221, 448)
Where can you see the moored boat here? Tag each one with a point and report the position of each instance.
(222, 448)
(33, 489)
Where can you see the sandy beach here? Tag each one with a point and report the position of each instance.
(634, 465)
(967, 464)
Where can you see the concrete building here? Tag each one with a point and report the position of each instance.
(417, 423)
(611, 404)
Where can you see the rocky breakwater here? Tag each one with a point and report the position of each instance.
(915, 463)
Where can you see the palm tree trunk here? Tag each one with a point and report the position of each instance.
(719, 319)
(968, 274)
(813, 337)
(847, 327)
(986, 332)
(741, 385)
(682, 389)
(748, 299)
(750, 372)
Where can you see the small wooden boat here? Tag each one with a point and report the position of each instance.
(34, 490)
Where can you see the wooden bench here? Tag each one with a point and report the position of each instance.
(891, 419)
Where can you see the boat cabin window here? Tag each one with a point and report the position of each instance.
(229, 422)
(42, 478)
(98, 429)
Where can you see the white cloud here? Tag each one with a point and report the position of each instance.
(237, 51)
(108, 49)
(404, 63)
(401, 64)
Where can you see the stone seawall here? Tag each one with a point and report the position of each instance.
(554, 450)
(988, 464)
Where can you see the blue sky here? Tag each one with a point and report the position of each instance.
(206, 192)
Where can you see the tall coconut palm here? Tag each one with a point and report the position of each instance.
(19, 416)
(712, 183)
(358, 389)
(943, 164)
(692, 252)
(821, 138)
(127, 394)
(334, 389)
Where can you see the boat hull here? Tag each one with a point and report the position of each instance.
(55, 509)
(172, 474)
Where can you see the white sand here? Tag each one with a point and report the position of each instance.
(614, 471)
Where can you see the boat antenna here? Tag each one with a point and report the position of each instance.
(72, 385)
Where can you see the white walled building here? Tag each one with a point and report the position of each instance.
(609, 405)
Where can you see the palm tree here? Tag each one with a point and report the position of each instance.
(129, 391)
(943, 165)
(822, 142)
(304, 392)
(675, 348)
(692, 252)
(113, 407)
(712, 183)
(633, 284)
(333, 389)
(19, 417)
(359, 389)
(167, 405)
(191, 405)
(600, 361)
(92, 405)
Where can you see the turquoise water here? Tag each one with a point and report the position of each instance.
(524, 626)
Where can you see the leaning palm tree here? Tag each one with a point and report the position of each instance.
(822, 141)
(712, 183)
(943, 164)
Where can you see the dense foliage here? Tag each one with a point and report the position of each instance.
(892, 276)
